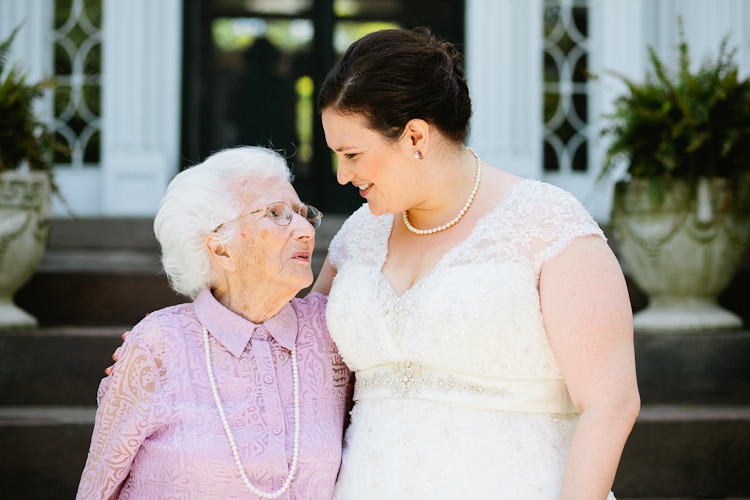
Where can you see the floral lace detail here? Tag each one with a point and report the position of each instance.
(368, 244)
(533, 223)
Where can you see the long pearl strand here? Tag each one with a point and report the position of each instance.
(230, 436)
(460, 215)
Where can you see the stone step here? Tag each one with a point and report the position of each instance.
(85, 298)
(687, 452)
(709, 367)
(48, 381)
(89, 297)
(674, 451)
(107, 272)
(97, 272)
(57, 366)
(43, 451)
(63, 366)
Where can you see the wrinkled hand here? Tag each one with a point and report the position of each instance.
(115, 355)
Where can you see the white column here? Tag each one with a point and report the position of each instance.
(504, 71)
(141, 103)
(618, 46)
(32, 47)
(705, 25)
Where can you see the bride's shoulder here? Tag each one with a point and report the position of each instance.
(362, 233)
(525, 192)
(523, 202)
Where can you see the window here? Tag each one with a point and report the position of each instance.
(565, 90)
(252, 66)
(77, 102)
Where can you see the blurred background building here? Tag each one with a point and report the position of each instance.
(148, 87)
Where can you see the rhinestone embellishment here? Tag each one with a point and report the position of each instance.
(411, 379)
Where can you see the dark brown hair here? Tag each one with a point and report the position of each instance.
(395, 75)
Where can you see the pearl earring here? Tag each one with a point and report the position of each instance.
(418, 155)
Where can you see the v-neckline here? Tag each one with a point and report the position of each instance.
(453, 249)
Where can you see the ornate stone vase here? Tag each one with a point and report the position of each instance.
(681, 248)
(24, 233)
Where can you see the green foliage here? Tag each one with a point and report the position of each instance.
(683, 125)
(23, 138)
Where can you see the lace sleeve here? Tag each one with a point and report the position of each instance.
(340, 246)
(124, 414)
(558, 218)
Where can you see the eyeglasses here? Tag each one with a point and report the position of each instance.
(281, 213)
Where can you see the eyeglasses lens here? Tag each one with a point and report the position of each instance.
(312, 215)
(281, 214)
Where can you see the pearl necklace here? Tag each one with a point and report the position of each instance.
(460, 215)
(230, 436)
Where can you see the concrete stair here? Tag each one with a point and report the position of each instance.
(48, 381)
(692, 439)
(97, 272)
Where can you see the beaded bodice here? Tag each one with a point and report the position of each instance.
(474, 320)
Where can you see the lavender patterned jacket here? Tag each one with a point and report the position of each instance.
(158, 433)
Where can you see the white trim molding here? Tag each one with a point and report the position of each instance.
(504, 71)
(141, 103)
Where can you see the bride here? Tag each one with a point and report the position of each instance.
(484, 314)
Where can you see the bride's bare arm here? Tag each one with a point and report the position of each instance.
(325, 278)
(587, 313)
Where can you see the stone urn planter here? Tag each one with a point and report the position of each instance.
(24, 234)
(682, 248)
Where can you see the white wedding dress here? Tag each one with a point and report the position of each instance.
(458, 394)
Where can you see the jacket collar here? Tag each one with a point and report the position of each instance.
(234, 332)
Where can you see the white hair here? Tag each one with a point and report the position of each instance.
(199, 199)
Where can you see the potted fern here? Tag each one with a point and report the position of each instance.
(681, 214)
(26, 158)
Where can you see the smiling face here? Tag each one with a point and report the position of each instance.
(276, 258)
(373, 165)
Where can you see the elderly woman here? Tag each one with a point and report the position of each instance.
(240, 393)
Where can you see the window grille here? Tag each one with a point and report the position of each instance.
(566, 101)
(77, 39)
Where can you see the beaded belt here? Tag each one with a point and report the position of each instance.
(414, 380)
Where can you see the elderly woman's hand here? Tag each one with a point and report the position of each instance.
(115, 355)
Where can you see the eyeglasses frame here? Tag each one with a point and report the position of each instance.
(315, 224)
